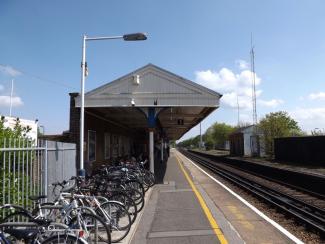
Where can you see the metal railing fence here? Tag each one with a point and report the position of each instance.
(22, 171)
(25, 167)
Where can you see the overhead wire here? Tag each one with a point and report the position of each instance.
(40, 78)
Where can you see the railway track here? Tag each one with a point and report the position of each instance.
(307, 209)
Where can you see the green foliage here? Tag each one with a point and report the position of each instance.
(215, 136)
(13, 189)
(219, 134)
(172, 143)
(193, 142)
(277, 124)
(19, 132)
(318, 132)
(13, 174)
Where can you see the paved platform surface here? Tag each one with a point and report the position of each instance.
(174, 213)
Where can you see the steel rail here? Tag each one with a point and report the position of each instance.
(225, 160)
(282, 183)
(299, 209)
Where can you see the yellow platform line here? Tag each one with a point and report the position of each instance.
(205, 208)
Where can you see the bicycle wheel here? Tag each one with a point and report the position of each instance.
(17, 217)
(136, 196)
(135, 190)
(45, 211)
(115, 214)
(135, 184)
(63, 239)
(95, 229)
(128, 203)
(149, 178)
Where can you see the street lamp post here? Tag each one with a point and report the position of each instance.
(127, 37)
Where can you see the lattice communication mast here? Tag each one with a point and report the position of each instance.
(253, 83)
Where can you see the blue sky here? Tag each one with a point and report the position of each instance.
(204, 41)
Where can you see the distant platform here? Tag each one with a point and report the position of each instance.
(272, 163)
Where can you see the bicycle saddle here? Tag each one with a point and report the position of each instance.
(42, 221)
(34, 198)
(22, 234)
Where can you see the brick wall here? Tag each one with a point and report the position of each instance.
(100, 126)
(74, 125)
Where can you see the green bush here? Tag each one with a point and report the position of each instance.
(13, 173)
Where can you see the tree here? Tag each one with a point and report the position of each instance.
(10, 138)
(207, 137)
(274, 125)
(172, 143)
(192, 142)
(215, 136)
(318, 132)
(219, 133)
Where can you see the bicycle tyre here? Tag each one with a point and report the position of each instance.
(128, 203)
(90, 220)
(17, 217)
(64, 239)
(118, 218)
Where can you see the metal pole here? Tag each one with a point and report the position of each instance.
(12, 91)
(200, 137)
(45, 169)
(162, 150)
(82, 107)
(151, 155)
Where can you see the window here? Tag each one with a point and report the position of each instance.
(115, 146)
(91, 145)
(121, 146)
(107, 147)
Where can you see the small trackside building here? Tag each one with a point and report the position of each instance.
(139, 113)
(246, 142)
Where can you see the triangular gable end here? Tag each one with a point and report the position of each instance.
(156, 87)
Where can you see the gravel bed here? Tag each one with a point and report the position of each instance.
(314, 201)
(285, 221)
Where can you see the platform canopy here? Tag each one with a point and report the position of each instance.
(178, 104)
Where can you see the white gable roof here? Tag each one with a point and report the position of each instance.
(156, 84)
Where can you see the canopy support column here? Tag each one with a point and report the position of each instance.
(151, 125)
(151, 151)
(162, 149)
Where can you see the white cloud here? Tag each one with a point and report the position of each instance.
(8, 70)
(1, 87)
(309, 113)
(226, 80)
(273, 103)
(317, 96)
(234, 85)
(242, 64)
(5, 101)
(230, 100)
(309, 118)
(245, 118)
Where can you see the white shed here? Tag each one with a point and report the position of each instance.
(244, 142)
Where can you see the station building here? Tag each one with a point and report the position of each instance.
(139, 114)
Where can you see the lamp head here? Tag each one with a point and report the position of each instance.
(135, 37)
(132, 102)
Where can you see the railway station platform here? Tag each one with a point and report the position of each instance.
(189, 207)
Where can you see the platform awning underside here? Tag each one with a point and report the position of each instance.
(180, 104)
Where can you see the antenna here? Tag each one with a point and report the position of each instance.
(253, 81)
(12, 91)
